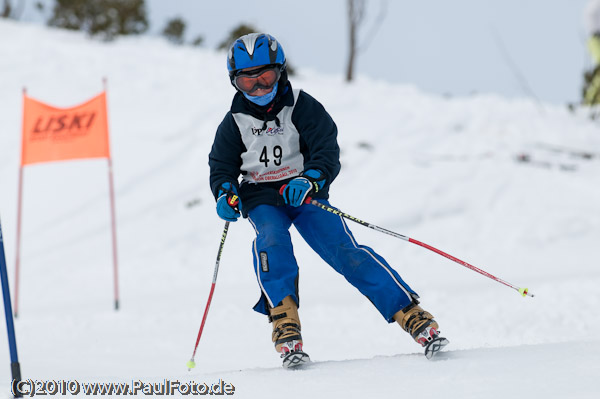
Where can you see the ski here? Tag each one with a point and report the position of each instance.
(295, 359)
(432, 348)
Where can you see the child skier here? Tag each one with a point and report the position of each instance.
(275, 136)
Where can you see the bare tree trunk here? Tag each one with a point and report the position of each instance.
(6, 9)
(355, 12)
(356, 16)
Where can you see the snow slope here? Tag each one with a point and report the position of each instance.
(441, 170)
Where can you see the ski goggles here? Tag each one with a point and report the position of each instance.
(261, 78)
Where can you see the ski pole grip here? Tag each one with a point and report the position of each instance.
(306, 201)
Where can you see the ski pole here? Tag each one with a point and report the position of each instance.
(191, 364)
(15, 367)
(522, 291)
(309, 200)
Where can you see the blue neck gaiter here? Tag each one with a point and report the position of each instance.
(263, 100)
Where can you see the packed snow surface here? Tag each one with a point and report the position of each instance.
(508, 185)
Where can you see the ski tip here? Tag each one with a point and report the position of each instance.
(435, 346)
(296, 359)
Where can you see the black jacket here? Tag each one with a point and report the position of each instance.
(317, 135)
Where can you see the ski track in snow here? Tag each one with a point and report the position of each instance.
(444, 171)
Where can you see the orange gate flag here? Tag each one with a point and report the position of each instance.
(60, 134)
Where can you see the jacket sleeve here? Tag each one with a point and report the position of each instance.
(225, 159)
(318, 134)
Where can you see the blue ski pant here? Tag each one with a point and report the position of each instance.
(328, 235)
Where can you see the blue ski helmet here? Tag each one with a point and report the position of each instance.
(252, 50)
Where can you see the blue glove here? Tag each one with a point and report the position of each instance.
(316, 177)
(297, 189)
(229, 204)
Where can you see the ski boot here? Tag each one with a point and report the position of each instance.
(286, 333)
(422, 327)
